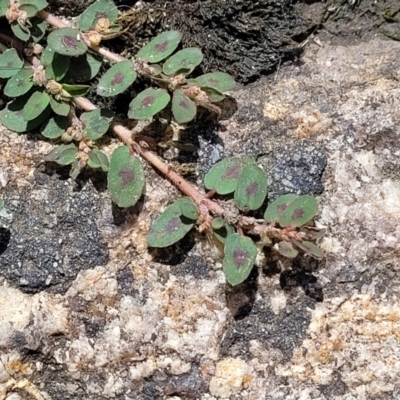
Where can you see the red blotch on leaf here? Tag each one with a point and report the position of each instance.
(251, 189)
(127, 176)
(239, 257)
(297, 213)
(161, 46)
(118, 78)
(184, 104)
(148, 101)
(69, 41)
(232, 172)
(282, 208)
(173, 225)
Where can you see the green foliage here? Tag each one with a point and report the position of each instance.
(43, 96)
(240, 255)
(183, 62)
(251, 188)
(63, 155)
(173, 224)
(286, 226)
(117, 79)
(183, 109)
(67, 42)
(10, 63)
(99, 9)
(223, 177)
(125, 177)
(97, 122)
(160, 47)
(148, 103)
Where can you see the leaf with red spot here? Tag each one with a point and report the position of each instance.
(148, 103)
(117, 79)
(220, 81)
(240, 255)
(278, 206)
(160, 47)
(97, 122)
(223, 177)
(298, 212)
(251, 188)
(125, 177)
(173, 224)
(183, 108)
(10, 63)
(98, 9)
(67, 41)
(183, 62)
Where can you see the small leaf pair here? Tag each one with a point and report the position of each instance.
(242, 177)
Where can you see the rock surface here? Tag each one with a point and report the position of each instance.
(159, 325)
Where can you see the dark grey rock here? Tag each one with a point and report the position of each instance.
(297, 169)
(53, 235)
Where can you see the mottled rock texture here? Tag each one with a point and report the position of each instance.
(162, 325)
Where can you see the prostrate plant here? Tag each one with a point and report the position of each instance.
(286, 226)
(54, 81)
(47, 87)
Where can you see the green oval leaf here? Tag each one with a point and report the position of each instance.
(67, 41)
(251, 188)
(117, 79)
(64, 154)
(287, 249)
(99, 9)
(299, 211)
(170, 227)
(220, 81)
(278, 206)
(20, 83)
(183, 62)
(188, 208)
(223, 177)
(183, 108)
(10, 63)
(97, 122)
(148, 103)
(98, 160)
(55, 127)
(125, 177)
(160, 47)
(57, 68)
(21, 32)
(213, 95)
(36, 104)
(11, 116)
(47, 56)
(59, 107)
(240, 255)
(75, 90)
